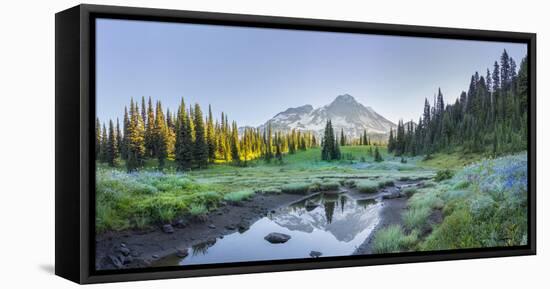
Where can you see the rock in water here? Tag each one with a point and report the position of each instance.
(315, 254)
(395, 195)
(124, 250)
(310, 205)
(182, 253)
(231, 227)
(116, 261)
(168, 229)
(181, 223)
(212, 226)
(277, 238)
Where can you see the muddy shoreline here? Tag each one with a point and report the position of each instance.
(139, 249)
(390, 215)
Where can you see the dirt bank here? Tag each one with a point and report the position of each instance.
(389, 215)
(138, 249)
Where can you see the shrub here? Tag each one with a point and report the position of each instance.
(409, 192)
(271, 190)
(442, 175)
(392, 239)
(238, 196)
(366, 186)
(209, 199)
(295, 188)
(197, 209)
(427, 157)
(426, 199)
(428, 184)
(416, 218)
(456, 232)
(350, 183)
(385, 183)
(461, 185)
(329, 186)
(315, 186)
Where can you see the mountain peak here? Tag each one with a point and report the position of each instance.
(345, 112)
(300, 109)
(344, 98)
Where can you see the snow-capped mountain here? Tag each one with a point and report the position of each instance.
(344, 112)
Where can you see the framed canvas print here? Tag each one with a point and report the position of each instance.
(193, 144)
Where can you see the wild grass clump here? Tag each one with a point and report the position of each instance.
(409, 192)
(416, 218)
(426, 199)
(442, 175)
(329, 186)
(238, 195)
(350, 183)
(392, 239)
(271, 190)
(143, 199)
(428, 184)
(295, 188)
(461, 185)
(367, 186)
(198, 210)
(385, 183)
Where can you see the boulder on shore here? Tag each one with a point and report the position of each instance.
(182, 253)
(315, 254)
(168, 229)
(277, 238)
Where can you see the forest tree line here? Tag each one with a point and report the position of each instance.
(189, 139)
(491, 117)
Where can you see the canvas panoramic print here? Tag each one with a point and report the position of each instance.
(223, 144)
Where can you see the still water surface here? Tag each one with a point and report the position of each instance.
(334, 225)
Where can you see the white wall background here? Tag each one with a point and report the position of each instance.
(27, 143)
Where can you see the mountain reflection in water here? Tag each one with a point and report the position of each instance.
(332, 224)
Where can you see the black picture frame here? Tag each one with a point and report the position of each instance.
(75, 168)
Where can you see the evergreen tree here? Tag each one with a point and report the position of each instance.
(331, 148)
(103, 151)
(278, 150)
(150, 121)
(210, 136)
(118, 139)
(496, 77)
(328, 143)
(200, 153)
(184, 142)
(235, 154)
(159, 136)
(143, 113)
(125, 125)
(377, 155)
(97, 139)
(505, 75)
(111, 153)
(136, 143)
(268, 144)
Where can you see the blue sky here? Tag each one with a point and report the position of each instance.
(254, 73)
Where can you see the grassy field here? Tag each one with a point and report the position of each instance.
(482, 201)
(144, 198)
(483, 205)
